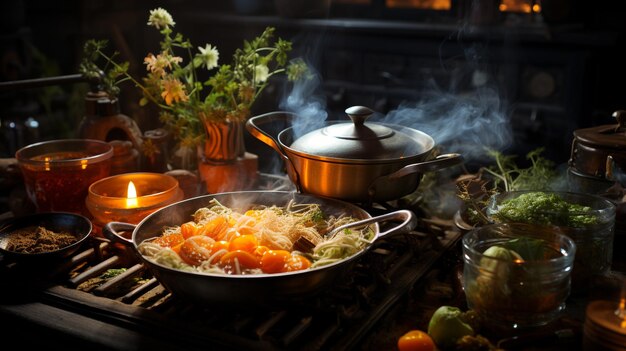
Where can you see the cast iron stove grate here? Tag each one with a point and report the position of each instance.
(133, 311)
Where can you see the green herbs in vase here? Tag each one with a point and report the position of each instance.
(173, 77)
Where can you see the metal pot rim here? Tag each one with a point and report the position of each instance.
(427, 146)
(361, 139)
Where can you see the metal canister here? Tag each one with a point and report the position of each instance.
(598, 156)
(598, 166)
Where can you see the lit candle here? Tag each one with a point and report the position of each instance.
(131, 195)
(605, 324)
(621, 307)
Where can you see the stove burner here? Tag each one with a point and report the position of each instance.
(78, 301)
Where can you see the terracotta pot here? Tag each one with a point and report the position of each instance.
(224, 164)
(224, 141)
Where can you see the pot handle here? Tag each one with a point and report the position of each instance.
(110, 231)
(253, 125)
(439, 162)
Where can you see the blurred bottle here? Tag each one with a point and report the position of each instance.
(155, 153)
(125, 157)
(19, 127)
(104, 121)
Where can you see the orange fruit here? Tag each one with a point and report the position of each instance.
(416, 340)
(273, 261)
(196, 249)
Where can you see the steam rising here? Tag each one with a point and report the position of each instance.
(464, 123)
(307, 104)
(467, 115)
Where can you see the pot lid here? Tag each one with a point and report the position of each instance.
(361, 140)
(605, 136)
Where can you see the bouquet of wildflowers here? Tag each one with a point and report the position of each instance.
(172, 77)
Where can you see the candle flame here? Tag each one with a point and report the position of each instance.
(621, 307)
(621, 312)
(131, 195)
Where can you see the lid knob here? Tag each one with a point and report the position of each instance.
(620, 116)
(358, 114)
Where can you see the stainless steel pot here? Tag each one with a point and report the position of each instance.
(357, 162)
(249, 290)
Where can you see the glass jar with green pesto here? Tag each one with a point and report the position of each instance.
(589, 220)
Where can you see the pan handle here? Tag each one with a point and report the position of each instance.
(439, 162)
(409, 221)
(407, 217)
(111, 231)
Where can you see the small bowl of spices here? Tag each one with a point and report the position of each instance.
(51, 235)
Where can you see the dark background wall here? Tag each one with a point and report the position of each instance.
(554, 73)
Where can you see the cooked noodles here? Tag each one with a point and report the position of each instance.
(220, 239)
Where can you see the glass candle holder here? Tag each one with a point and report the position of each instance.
(604, 327)
(109, 200)
(517, 275)
(58, 173)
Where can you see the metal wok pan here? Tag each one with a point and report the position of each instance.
(258, 289)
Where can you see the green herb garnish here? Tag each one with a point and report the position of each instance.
(544, 208)
(504, 175)
(113, 272)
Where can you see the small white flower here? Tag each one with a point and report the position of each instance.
(261, 73)
(209, 56)
(160, 18)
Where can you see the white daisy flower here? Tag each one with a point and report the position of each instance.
(209, 56)
(261, 73)
(160, 18)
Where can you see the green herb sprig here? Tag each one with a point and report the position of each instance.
(504, 175)
(510, 177)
